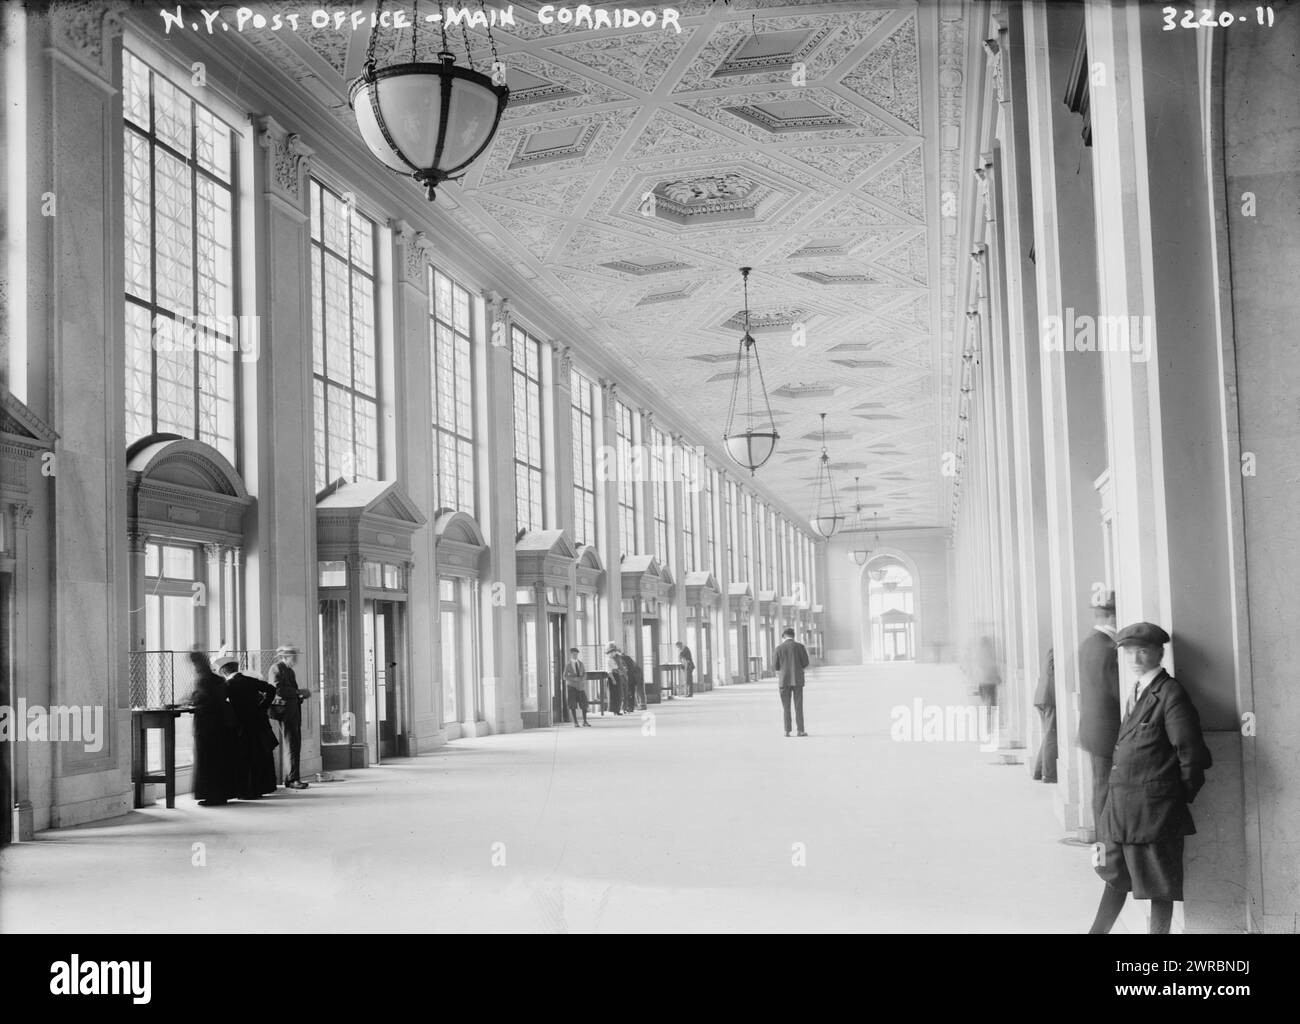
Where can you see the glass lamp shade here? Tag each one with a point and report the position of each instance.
(428, 121)
(859, 556)
(752, 448)
(827, 524)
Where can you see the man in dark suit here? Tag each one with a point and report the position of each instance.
(1160, 760)
(790, 660)
(688, 667)
(1099, 711)
(615, 677)
(1045, 701)
(288, 705)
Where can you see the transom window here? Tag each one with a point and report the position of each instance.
(583, 392)
(344, 344)
(526, 353)
(450, 331)
(179, 227)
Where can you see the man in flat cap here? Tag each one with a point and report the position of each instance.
(1160, 759)
(1099, 710)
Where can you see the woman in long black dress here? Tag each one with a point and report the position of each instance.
(215, 736)
(250, 697)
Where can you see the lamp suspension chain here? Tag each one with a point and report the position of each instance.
(374, 35)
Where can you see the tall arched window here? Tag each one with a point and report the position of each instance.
(344, 344)
(180, 228)
(526, 354)
(450, 331)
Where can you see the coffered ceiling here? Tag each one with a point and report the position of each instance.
(637, 170)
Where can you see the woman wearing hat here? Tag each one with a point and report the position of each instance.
(250, 697)
(216, 739)
(1159, 766)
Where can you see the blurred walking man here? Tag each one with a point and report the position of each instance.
(575, 678)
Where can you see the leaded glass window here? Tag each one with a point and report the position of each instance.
(450, 331)
(179, 231)
(526, 354)
(582, 391)
(345, 388)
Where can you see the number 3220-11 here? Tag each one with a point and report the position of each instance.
(1263, 16)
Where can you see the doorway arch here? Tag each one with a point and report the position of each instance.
(896, 567)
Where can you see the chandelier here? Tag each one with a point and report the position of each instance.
(426, 120)
(826, 515)
(859, 556)
(754, 445)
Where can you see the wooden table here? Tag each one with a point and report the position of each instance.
(668, 678)
(142, 722)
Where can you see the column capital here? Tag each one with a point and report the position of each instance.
(214, 552)
(137, 541)
(498, 314)
(415, 254)
(23, 515)
(994, 49)
(287, 158)
(85, 30)
(563, 355)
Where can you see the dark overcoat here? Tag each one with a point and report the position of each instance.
(250, 697)
(285, 681)
(1099, 710)
(790, 661)
(216, 741)
(1159, 766)
(1045, 695)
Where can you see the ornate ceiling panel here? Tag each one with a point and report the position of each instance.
(637, 169)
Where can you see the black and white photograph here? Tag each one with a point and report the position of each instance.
(736, 467)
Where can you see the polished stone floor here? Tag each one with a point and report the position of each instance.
(704, 819)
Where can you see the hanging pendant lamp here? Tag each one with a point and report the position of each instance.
(427, 120)
(754, 444)
(826, 515)
(876, 574)
(859, 556)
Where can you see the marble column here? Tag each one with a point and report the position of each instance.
(494, 464)
(74, 374)
(1015, 201)
(1073, 399)
(1172, 460)
(421, 693)
(278, 460)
